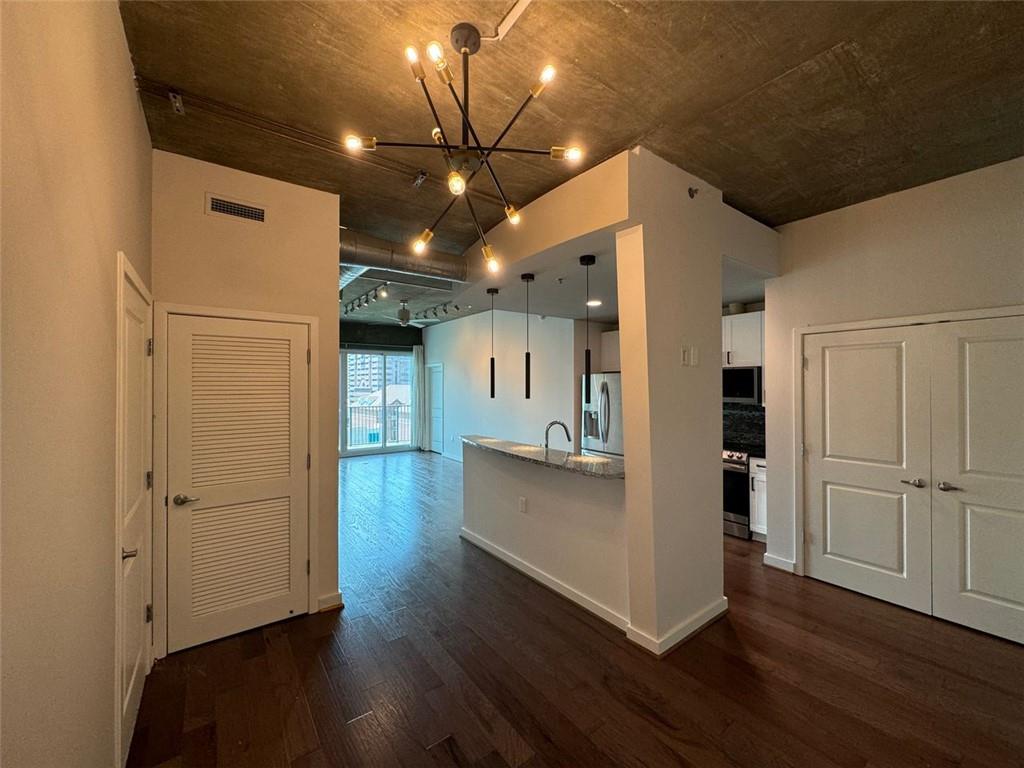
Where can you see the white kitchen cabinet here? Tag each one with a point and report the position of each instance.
(742, 339)
(610, 351)
(759, 496)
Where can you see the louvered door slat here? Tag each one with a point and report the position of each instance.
(238, 409)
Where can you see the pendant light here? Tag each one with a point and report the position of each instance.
(527, 277)
(492, 292)
(587, 262)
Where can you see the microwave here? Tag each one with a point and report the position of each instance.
(742, 385)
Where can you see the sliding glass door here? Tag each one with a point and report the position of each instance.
(376, 404)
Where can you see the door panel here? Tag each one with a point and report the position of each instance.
(436, 410)
(978, 433)
(135, 458)
(237, 446)
(866, 432)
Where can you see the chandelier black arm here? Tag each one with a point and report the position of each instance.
(472, 132)
(437, 121)
(512, 122)
(472, 212)
(450, 147)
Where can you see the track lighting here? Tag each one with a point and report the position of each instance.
(413, 57)
(374, 297)
(420, 245)
(513, 215)
(383, 291)
(456, 184)
(355, 143)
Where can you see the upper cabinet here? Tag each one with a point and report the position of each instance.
(742, 339)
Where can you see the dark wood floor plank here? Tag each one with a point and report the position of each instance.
(444, 656)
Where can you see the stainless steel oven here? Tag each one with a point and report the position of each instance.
(736, 493)
(742, 385)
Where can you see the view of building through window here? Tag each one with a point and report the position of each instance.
(378, 407)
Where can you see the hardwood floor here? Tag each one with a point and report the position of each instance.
(446, 656)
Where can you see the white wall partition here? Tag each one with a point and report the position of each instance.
(463, 347)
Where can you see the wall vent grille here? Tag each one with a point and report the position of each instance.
(224, 207)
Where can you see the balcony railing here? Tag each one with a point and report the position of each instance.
(377, 426)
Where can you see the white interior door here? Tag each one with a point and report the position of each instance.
(978, 454)
(866, 438)
(436, 409)
(237, 448)
(135, 451)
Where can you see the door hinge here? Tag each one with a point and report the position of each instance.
(149, 347)
(307, 567)
(149, 613)
(149, 479)
(309, 461)
(309, 356)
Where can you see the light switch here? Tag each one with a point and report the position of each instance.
(522, 504)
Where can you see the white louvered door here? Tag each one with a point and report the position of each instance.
(237, 475)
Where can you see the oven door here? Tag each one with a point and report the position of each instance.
(736, 501)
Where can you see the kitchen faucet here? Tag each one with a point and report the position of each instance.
(548, 429)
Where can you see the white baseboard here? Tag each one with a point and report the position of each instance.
(549, 581)
(779, 562)
(329, 601)
(684, 629)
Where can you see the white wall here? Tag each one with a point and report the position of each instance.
(76, 189)
(288, 264)
(463, 346)
(951, 245)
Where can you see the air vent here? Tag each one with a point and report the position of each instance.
(223, 207)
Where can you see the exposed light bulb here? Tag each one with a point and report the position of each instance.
(594, 303)
(546, 76)
(456, 184)
(574, 154)
(437, 136)
(354, 143)
(413, 57)
(513, 215)
(420, 245)
(490, 260)
(435, 52)
(384, 291)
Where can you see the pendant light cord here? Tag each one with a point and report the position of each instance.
(588, 306)
(492, 325)
(527, 315)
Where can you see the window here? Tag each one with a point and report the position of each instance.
(376, 408)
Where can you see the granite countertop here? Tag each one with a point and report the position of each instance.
(593, 466)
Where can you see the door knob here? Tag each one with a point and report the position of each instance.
(181, 499)
(917, 482)
(944, 486)
(128, 553)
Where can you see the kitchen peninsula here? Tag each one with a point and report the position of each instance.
(558, 517)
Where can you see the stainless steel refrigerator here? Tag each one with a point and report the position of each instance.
(602, 417)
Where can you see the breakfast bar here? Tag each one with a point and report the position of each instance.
(559, 517)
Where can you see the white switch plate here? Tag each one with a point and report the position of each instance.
(522, 504)
(688, 356)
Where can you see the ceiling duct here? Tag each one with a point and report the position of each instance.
(348, 274)
(357, 250)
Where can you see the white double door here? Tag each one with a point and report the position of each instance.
(237, 475)
(914, 476)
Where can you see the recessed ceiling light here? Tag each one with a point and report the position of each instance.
(594, 303)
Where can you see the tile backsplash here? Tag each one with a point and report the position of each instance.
(743, 427)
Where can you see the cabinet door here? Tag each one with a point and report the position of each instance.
(745, 339)
(726, 339)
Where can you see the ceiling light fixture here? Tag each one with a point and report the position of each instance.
(465, 158)
(587, 261)
(492, 292)
(593, 302)
(527, 277)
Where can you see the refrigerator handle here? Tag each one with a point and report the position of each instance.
(605, 411)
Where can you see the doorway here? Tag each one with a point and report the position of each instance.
(376, 401)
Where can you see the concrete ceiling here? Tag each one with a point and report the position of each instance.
(791, 109)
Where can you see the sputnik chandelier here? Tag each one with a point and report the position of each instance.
(465, 159)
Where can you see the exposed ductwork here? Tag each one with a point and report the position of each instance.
(357, 250)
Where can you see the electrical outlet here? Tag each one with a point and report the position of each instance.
(522, 504)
